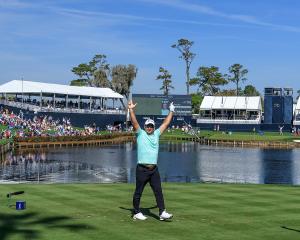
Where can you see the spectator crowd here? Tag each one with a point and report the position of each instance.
(15, 125)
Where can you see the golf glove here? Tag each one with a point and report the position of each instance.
(172, 107)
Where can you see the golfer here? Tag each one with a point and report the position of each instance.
(146, 169)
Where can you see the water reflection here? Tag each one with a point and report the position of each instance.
(232, 165)
(277, 166)
(178, 162)
(68, 165)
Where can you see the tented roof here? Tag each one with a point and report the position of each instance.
(207, 103)
(26, 87)
(231, 102)
(298, 105)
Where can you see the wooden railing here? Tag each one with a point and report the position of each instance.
(4, 148)
(94, 142)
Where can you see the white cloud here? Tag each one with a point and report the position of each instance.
(184, 5)
(118, 19)
(13, 4)
(107, 19)
(114, 19)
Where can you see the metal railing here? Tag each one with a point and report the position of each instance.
(236, 121)
(36, 109)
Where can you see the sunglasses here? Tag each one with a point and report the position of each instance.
(149, 126)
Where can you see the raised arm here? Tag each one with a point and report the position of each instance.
(168, 119)
(134, 122)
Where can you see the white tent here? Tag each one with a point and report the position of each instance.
(298, 105)
(207, 103)
(231, 102)
(230, 109)
(296, 110)
(37, 88)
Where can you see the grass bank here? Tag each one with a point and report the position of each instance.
(238, 136)
(176, 135)
(103, 211)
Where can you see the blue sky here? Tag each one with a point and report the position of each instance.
(42, 40)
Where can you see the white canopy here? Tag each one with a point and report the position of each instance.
(29, 87)
(231, 102)
(298, 105)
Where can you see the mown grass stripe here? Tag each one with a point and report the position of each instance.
(202, 211)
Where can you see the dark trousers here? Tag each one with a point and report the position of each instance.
(143, 176)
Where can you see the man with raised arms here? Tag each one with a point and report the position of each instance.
(146, 169)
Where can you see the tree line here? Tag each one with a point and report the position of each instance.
(99, 73)
(208, 80)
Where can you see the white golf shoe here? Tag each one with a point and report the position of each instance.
(139, 216)
(165, 216)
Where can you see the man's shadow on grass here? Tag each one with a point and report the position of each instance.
(291, 229)
(26, 224)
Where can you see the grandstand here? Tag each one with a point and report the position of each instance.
(230, 110)
(83, 105)
(44, 97)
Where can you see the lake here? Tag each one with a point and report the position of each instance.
(178, 162)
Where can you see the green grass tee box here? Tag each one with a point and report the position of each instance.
(103, 211)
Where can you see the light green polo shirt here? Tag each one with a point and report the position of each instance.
(147, 146)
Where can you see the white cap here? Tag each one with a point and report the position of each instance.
(150, 121)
